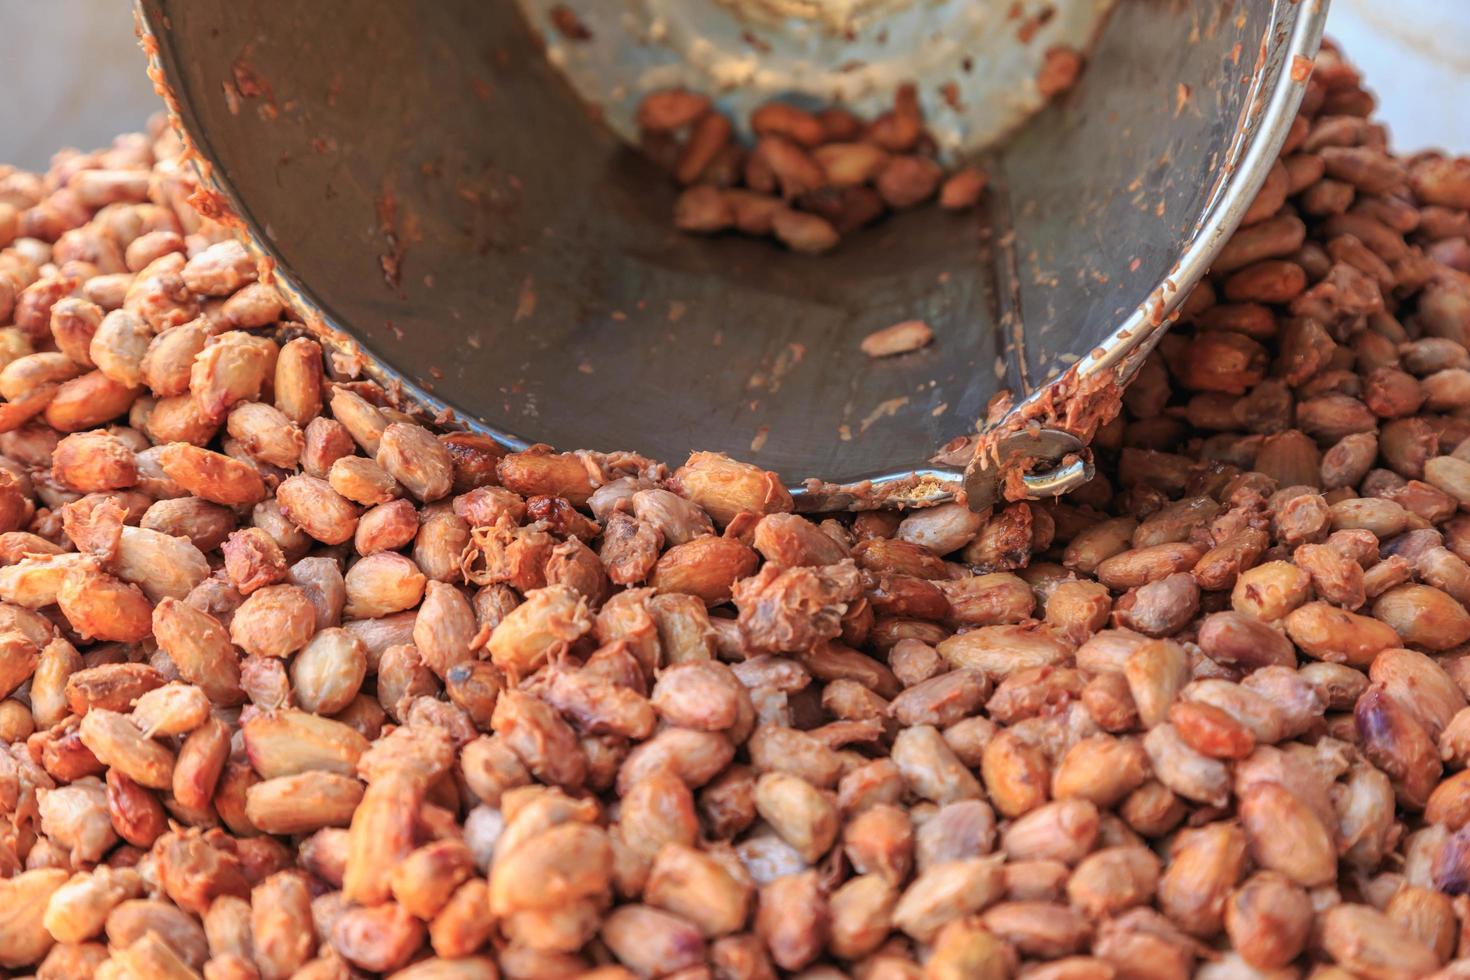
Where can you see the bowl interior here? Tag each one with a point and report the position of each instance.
(428, 183)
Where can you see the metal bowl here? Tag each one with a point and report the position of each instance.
(427, 183)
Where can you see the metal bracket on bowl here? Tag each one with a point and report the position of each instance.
(1053, 462)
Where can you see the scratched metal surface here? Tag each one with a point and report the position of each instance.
(542, 294)
(1139, 155)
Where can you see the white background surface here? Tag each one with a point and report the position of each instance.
(71, 72)
(1415, 54)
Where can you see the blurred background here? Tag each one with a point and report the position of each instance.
(72, 73)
